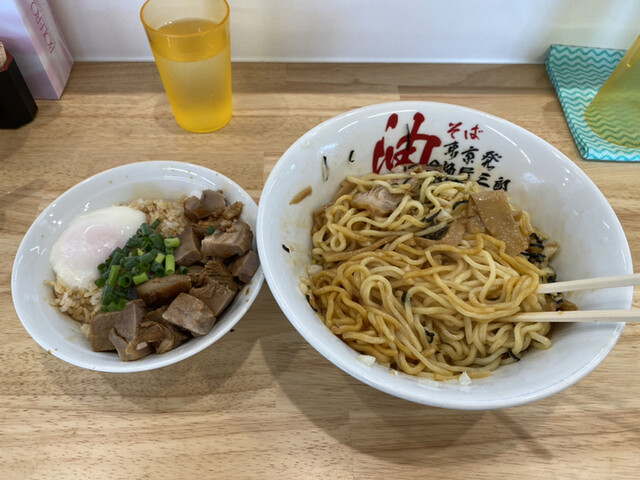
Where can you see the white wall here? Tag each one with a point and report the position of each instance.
(500, 31)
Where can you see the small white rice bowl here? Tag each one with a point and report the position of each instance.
(561, 199)
(58, 333)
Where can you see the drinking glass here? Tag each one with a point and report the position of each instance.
(190, 41)
(614, 113)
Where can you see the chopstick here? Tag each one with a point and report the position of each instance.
(583, 316)
(590, 283)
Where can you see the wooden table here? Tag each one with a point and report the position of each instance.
(261, 403)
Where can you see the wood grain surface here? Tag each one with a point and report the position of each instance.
(261, 403)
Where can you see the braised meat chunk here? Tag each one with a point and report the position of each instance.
(215, 295)
(124, 321)
(219, 272)
(128, 350)
(163, 289)
(233, 211)
(188, 251)
(245, 266)
(214, 202)
(235, 241)
(194, 210)
(172, 338)
(378, 201)
(100, 327)
(190, 313)
(156, 332)
(132, 316)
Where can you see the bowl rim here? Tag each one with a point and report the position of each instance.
(159, 361)
(352, 366)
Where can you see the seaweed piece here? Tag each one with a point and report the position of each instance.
(536, 237)
(534, 257)
(449, 178)
(309, 302)
(429, 219)
(458, 203)
(438, 234)
(351, 159)
(431, 336)
(285, 248)
(514, 356)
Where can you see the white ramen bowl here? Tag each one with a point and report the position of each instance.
(561, 199)
(58, 333)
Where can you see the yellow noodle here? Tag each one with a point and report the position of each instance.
(432, 312)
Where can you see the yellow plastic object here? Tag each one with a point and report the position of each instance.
(190, 41)
(614, 113)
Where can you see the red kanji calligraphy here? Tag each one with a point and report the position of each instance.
(390, 157)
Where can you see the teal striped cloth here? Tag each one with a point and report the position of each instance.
(577, 73)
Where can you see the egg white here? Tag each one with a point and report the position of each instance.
(89, 240)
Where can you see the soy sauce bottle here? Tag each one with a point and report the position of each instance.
(17, 106)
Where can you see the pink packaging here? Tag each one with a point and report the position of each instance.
(30, 32)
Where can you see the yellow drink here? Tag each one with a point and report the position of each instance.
(190, 42)
(614, 113)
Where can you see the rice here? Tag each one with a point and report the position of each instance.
(83, 304)
(171, 215)
(79, 304)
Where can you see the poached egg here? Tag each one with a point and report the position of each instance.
(89, 240)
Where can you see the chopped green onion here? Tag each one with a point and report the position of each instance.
(103, 267)
(110, 298)
(120, 294)
(129, 262)
(139, 252)
(157, 269)
(140, 268)
(124, 281)
(155, 223)
(159, 258)
(211, 229)
(169, 251)
(172, 242)
(183, 270)
(100, 282)
(118, 255)
(109, 307)
(170, 264)
(147, 257)
(144, 229)
(122, 303)
(157, 241)
(113, 275)
(134, 242)
(141, 278)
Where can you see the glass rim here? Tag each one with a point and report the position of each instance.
(181, 35)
